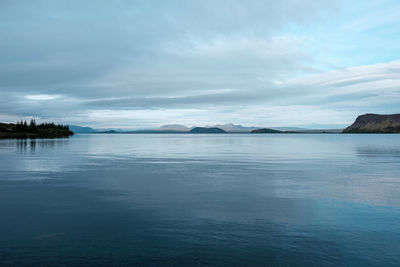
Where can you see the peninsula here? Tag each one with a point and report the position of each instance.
(44, 130)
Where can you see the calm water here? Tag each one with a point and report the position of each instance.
(280, 200)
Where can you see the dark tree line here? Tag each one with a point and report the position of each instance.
(32, 127)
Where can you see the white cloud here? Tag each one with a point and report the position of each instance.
(42, 97)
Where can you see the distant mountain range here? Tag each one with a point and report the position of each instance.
(178, 128)
(228, 127)
(367, 123)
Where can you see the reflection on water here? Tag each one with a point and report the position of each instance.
(33, 145)
(280, 200)
(29, 145)
(376, 151)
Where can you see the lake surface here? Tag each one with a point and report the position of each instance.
(225, 200)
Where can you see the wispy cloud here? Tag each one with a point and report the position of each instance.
(41, 97)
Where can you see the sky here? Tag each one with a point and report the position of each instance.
(141, 64)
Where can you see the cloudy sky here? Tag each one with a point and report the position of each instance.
(141, 64)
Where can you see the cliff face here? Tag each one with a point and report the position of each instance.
(375, 123)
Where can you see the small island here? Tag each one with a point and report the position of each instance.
(265, 130)
(375, 123)
(32, 130)
(206, 130)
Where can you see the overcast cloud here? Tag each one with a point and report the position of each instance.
(137, 64)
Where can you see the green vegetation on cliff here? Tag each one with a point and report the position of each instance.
(23, 130)
(375, 123)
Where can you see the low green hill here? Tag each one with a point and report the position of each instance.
(206, 130)
(266, 130)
